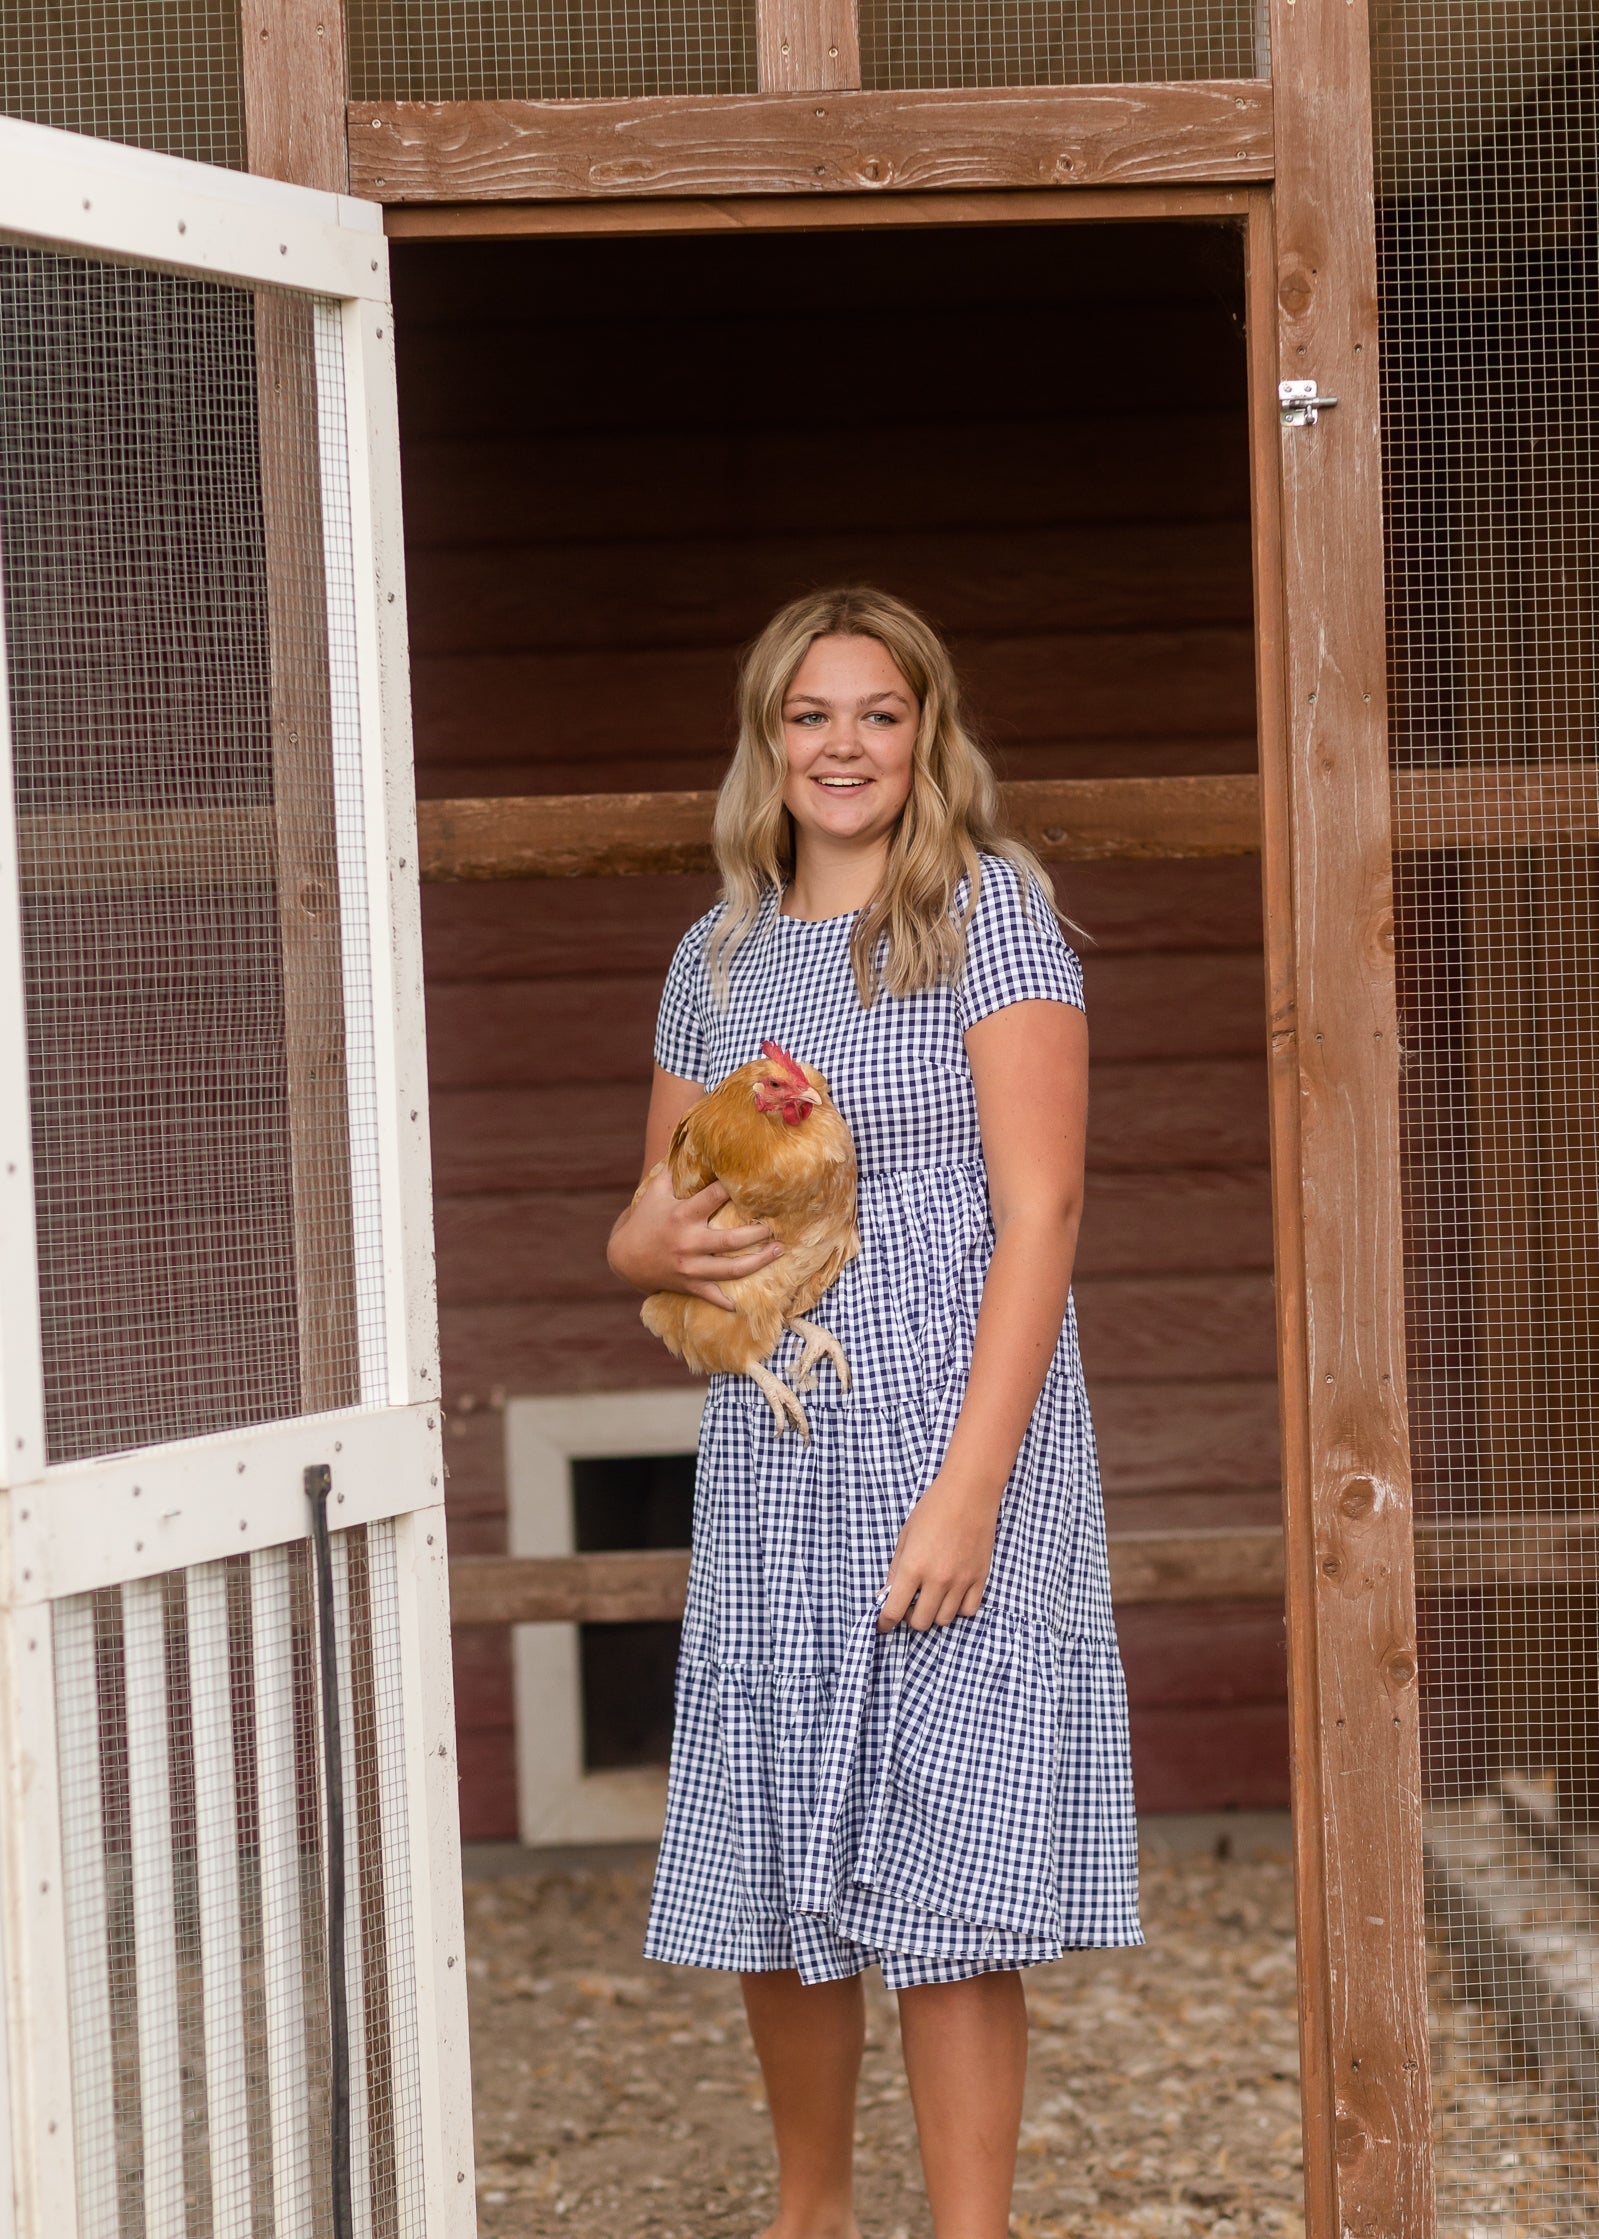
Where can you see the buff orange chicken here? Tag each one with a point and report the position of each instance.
(778, 1144)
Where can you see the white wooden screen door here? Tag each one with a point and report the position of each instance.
(231, 1906)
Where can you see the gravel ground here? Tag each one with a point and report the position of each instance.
(1515, 2160)
(620, 2100)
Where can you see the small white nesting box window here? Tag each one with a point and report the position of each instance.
(566, 1791)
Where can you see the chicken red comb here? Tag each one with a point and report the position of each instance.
(777, 1055)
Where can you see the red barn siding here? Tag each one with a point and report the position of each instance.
(619, 456)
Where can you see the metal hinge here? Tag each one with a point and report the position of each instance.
(1299, 406)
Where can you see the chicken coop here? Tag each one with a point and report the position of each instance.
(1217, 373)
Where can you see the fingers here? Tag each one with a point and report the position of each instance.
(738, 1239)
(934, 1605)
(897, 1599)
(922, 1603)
(707, 1201)
(713, 1267)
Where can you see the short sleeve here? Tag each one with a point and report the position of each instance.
(681, 1043)
(1015, 950)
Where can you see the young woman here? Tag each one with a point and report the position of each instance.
(901, 1725)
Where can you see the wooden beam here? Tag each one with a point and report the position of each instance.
(1557, 1548)
(565, 835)
(1277, 895)
(637, 1589)
(584, 834)
(295, 95)
(750, 144)
(1235, 1564)
(1121, 819)
(293, 69)
(812, 213)
(306, 850)
(1355, 1701)
(807, 46)
(1475, 807)
(589, 835)
(1229, 1563)
(127, 851)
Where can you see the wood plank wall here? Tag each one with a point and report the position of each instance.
(619, 456)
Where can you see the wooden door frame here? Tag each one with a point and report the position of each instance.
(1326, 840)
(1290, 161)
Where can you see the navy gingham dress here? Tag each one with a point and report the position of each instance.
(943, 1803)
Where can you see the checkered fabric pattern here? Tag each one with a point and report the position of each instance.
(942, 1803)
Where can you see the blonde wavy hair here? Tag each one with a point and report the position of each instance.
(908, 937)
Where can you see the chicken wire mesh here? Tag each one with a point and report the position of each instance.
(185, 745)
(194, 1834)
(548, 50)
(1488, 136)
(1059, 42)
(476, 50)
(164, 75)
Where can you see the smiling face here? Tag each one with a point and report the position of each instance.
(849, 730)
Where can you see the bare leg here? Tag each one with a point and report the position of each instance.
(819, 1344)
(966, 2061)
(808, 2039)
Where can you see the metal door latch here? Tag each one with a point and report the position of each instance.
(1299, 406)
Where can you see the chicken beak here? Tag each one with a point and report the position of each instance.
(808, 1096)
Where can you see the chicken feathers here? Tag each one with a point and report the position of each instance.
(777, 1143)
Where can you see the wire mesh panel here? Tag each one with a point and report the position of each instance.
(1488, 130)
(163, 75)
(548, 50)
(178, 598)
(194, 1822)
(1059, 42)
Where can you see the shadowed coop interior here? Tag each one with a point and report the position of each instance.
(621, 455)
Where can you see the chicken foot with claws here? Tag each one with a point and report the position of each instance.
(819, 1345)
(783, 1403)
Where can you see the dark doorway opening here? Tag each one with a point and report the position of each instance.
(620, 454)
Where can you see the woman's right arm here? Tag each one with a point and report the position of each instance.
(666, 1243)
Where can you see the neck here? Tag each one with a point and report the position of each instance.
(829, 880)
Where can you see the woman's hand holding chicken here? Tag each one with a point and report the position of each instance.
(668, 1243)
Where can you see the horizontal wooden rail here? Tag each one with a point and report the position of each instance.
(1529, 805)
(568, 1589)
(1221, 1565)
(135, 851)
(587, 835)
(668, 214)
(831, 143)
(1548, 1549)
(1067, 820)
(1230, 1563)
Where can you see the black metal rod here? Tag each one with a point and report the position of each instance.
(318, 1485)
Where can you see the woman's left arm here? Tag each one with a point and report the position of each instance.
(1030, 1067)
